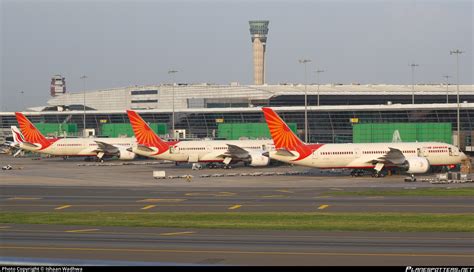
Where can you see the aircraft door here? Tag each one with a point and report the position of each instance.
(357, 152)
(453, 151)
(422, 152)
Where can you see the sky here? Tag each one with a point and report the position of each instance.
(126, 43)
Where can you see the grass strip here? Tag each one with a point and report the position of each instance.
(399, 222)
(407, 192)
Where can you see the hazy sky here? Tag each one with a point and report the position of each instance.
(122, 43)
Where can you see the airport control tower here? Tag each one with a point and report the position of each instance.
(259, 31)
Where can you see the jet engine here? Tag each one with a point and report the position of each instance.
(126, 155)
(259, 160)
(417, 165)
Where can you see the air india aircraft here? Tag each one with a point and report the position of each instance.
(34, 141)
(251, 152)
(415, 158)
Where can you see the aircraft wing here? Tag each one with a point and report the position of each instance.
(107, 148)
(236, 152)
(394, 156)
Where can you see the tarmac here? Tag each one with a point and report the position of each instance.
(230, 199)
(56, 185)
(154, 246)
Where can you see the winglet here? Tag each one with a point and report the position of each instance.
(144, 134)
(30, 132)
(282, 136)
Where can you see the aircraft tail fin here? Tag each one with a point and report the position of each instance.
(30, 132)
(144, 134)
(17, 136)
(282, 136)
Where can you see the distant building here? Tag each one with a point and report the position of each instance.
(58, 85)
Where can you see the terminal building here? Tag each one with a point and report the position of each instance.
(201, 108)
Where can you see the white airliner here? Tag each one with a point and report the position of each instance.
(251, 152)
(18, 138)
(415, 158)
(34, 141)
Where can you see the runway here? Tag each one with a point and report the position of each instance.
(58, 186)
(83, 199)
(235, 247)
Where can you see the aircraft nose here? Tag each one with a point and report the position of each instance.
(464, 157)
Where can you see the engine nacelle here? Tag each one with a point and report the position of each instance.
(126, 155)
(259, 160)
(417, 165)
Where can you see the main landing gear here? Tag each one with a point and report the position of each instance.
(364, 172)
(378, 175)
(213, 165)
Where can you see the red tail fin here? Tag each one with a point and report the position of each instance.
(144, 134)
(30, 132)
(282, 135)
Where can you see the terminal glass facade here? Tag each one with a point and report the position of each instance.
(324, 126)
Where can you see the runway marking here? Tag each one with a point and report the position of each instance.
(148, 207)
(81, 230)
(375, 197)
(336, 189)
(322, 207)
(154, 200)
(63, 207)
(325, 196)
(7, 229)
(243, 252)
(176, 233)
(235, 207)
(285, 191)
(24, 198)
(210, 194)
(273, 196)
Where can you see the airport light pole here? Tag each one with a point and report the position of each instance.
(457, 52)
(317, 80)
(84, 106)
(413, 65)
(447, 88)
(304, 61)
(172, 72)
(21, 99)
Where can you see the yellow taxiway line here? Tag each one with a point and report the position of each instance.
(235, 207)
(63, 207)
(154, 200)
(81, 230)
(176, 233)
(322, 207)
(24, 198)
(240, 252)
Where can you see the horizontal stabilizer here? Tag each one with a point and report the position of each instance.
(284, 152)
(30, 145)
(144, 148)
